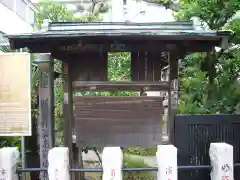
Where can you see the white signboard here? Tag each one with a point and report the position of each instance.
(15, 94)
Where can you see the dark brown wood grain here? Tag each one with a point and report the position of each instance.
(150, 70)
(120, 85)
(146, 66)
(134, 66)
(142, 69)
(89, 67)
(118, 121)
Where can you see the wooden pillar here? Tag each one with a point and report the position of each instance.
(173, 57)
(69, 121)
(170, 119)
(67, 110)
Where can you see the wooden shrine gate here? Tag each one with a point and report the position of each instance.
(83, 49)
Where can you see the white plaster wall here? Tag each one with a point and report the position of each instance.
(10, 23)
(152, 12)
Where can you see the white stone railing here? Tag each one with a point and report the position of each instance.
(221, 155)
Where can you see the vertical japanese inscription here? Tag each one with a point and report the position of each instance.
(225, 169)
(3, 174)
(169, 172)
(44, 122)
(112, 174)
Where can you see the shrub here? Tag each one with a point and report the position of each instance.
(136, 162)
(141, 151)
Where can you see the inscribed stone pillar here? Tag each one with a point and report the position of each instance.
(46, 107)
(167, 162)
(58, 160)
(221, 156)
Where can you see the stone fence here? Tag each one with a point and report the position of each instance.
(221, 155)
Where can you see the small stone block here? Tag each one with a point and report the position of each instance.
(58, 160)
(112, 160)
(221, 156)
(9, 157)
(167, 162)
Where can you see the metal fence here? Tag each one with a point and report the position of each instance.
(193, 135)
(182, 169)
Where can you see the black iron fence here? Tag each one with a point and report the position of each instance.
(180, 168)
(193, 135)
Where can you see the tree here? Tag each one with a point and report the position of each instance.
(53, 11)
(210, 81)
(56, 11)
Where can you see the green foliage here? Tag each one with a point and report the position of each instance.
(141, 151)
(209, 82)
(57, 12)
(235, 27)
(119, 66)
(136, 162)
(10, 142)
(53, 11)
(213, 12)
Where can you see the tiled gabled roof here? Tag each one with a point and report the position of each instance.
(80, 29)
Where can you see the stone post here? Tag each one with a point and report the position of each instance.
(221, 156)
(58, 160)
(112, 159)
(167, 162)
(46, 109)
(9, 157)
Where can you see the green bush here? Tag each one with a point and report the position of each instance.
(136, 162)
(141, 151)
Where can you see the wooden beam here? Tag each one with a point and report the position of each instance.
(68, 112)
(59, 50)
(120, 86)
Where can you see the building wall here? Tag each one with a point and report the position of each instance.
(137, 11)
(16, 16)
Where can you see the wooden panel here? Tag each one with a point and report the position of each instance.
(118, 121)
(146, 66)
(134, 66)
(150, 70)
(89, 67)
(157, 64)
(142, 66)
